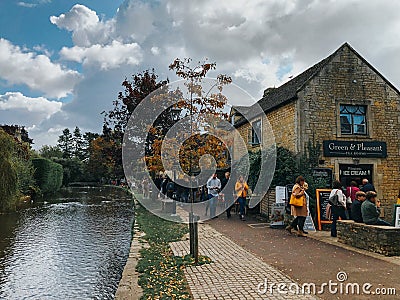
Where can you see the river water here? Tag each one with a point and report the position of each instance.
(73, 246)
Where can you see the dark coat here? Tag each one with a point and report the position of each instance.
(368, 187)
(356, 211)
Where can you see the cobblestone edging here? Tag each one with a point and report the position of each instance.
(128, 288)
(234, 273)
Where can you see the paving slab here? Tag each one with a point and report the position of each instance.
(234, 273)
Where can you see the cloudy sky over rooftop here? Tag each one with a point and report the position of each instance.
(62, 63)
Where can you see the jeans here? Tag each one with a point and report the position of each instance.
(213, 205)
(337, 211)
(298, 221)
(242, 205)
(381, 222)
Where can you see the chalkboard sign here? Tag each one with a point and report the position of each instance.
(309, 224)
(322, 201)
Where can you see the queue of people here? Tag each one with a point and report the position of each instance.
(358, 204)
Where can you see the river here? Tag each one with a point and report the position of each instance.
(72, 246)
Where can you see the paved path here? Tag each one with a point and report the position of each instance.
(234, 274)
(313, 260)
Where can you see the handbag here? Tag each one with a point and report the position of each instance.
(298, 202)
(348, 199)
(334, 200)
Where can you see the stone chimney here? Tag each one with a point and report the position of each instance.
(268, 91)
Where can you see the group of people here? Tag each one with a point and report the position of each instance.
(358, 204)
(226, 190)
(361, 205)
(231, 194)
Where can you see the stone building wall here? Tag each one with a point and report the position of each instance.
(283, 122)
(347, 79)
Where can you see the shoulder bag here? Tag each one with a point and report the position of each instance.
(334, 200)
(296, 201)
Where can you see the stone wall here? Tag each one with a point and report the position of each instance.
(380, 239)
(283, 122)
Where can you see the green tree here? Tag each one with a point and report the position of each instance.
(78, 144)
(50, 152)
(8, 173)
(65, 143)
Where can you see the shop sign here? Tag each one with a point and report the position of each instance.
(373, 149)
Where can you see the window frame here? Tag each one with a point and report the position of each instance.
(256, 140)
(368, 120)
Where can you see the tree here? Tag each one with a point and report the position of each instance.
(65, 143)
(8, 173)
(208, 105)
(50, 152)
(141, 85)
(78, 144)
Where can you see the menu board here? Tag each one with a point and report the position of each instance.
(278, 214)
(322, 201)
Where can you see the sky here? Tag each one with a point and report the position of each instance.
(62, 62)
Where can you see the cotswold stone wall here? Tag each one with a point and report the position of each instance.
(283, 122)
(347, 79)
(380, 239)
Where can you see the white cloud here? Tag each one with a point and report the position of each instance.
(36, 105)
(85, 25)
(16, 108)
(25, 4)
(18, 66)
(107, 57)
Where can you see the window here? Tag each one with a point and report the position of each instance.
(256, 132)
(353, 119)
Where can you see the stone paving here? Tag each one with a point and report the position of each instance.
(234, 273)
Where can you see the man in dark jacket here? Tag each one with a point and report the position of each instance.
(370, 210)
(227, 187)
(356, 207)
(367, 187)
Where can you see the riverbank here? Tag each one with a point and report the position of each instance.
(152, 271)
(128, 287)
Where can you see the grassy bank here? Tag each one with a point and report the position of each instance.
(161, 273)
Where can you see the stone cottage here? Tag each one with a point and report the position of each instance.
(345, 104)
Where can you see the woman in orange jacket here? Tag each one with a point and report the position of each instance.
(241, 188)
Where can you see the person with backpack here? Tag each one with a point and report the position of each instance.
(338, 208)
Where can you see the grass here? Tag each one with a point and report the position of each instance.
(161, 273)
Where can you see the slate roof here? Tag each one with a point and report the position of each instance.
(287, 92)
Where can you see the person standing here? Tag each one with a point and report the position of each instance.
(299, 212)
(214, 187)
(227, 187)
(370, 210)
(338, 211)
(241, 189)
(351, 196)
(367, 186)
(356, 215)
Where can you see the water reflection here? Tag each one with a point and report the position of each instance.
(66, 250)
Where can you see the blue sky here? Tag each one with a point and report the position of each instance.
(62, 62)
